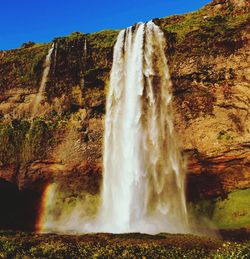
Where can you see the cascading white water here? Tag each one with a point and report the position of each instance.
(143, 188)
(144, 172)
(45, 75)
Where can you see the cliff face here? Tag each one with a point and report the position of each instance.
(210, 71)
(208, 52)
(67, 131)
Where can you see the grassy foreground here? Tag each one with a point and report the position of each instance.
(28, 245)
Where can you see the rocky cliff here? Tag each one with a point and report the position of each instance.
(208, 52)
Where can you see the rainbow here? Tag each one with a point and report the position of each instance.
(42, 222)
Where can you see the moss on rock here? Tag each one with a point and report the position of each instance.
(228, 213)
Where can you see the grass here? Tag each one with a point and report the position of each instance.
(230, 213)
(188, 22)
(103, 39)
(24, 245)
(233, 212)
(30, 245)
(184, 24)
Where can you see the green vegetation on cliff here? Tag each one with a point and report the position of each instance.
(207, 32)
(22, 67)
(103, 39)
(228, 213)
(23, 141)
(216, 23)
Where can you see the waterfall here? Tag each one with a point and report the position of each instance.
(45, 75)
(143, 185)
(144, 172)
(55, 57)
(85, 47)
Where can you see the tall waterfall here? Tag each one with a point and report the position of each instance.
(143, 188)
(45, 75)
(144, 173)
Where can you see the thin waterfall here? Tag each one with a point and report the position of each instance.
(40, 94)
(85, 47)
(55, 58)
(144, 172)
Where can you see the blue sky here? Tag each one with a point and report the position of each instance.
(42, 20)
